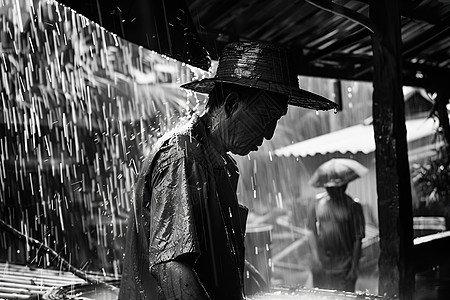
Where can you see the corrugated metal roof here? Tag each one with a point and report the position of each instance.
(358, 138)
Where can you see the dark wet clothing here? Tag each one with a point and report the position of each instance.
(336, 226)
(185, 203)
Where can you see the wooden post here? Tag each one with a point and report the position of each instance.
(393, 178)
(442, 98)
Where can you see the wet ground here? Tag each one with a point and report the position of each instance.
(22, 282)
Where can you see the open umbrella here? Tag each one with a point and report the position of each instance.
(337, 172)
(164, 26)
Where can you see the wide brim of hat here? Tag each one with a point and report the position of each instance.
(297, 96)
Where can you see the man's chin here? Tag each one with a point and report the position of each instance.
(243, 152)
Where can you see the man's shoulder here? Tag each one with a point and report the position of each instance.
(354, 201)
(356, 206)
(180, 143)
(321, 198)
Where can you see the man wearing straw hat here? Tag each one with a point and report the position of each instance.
(337, 226)
(185, 237)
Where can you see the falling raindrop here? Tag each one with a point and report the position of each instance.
(75, 127)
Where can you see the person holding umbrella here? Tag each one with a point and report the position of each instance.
(185, 237)
(336, 225)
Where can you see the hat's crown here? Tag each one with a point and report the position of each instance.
(264, 62)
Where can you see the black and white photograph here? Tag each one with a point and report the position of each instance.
(224, 149)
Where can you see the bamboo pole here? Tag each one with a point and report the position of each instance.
(38, 245)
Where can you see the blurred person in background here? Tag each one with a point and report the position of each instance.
(336, 225)
(185, 237)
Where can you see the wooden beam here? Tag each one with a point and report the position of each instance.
(432, 12)
(344, 12)
(442, 99)
(425, 40)
(392, 168)
(339, 44)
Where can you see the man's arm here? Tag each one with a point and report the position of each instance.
(177, 186)
(317, 264)
(352, 274)
(312, 233)
(360, 226)
(178, 280)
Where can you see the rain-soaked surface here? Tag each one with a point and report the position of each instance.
(80, 108)
(101, 292)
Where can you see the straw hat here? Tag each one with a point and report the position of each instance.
(337, 172)
(264, 66)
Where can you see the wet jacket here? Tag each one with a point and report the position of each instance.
(185, 203)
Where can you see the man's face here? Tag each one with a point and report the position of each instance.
(253, 120)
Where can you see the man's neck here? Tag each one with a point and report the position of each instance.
(211, 120)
